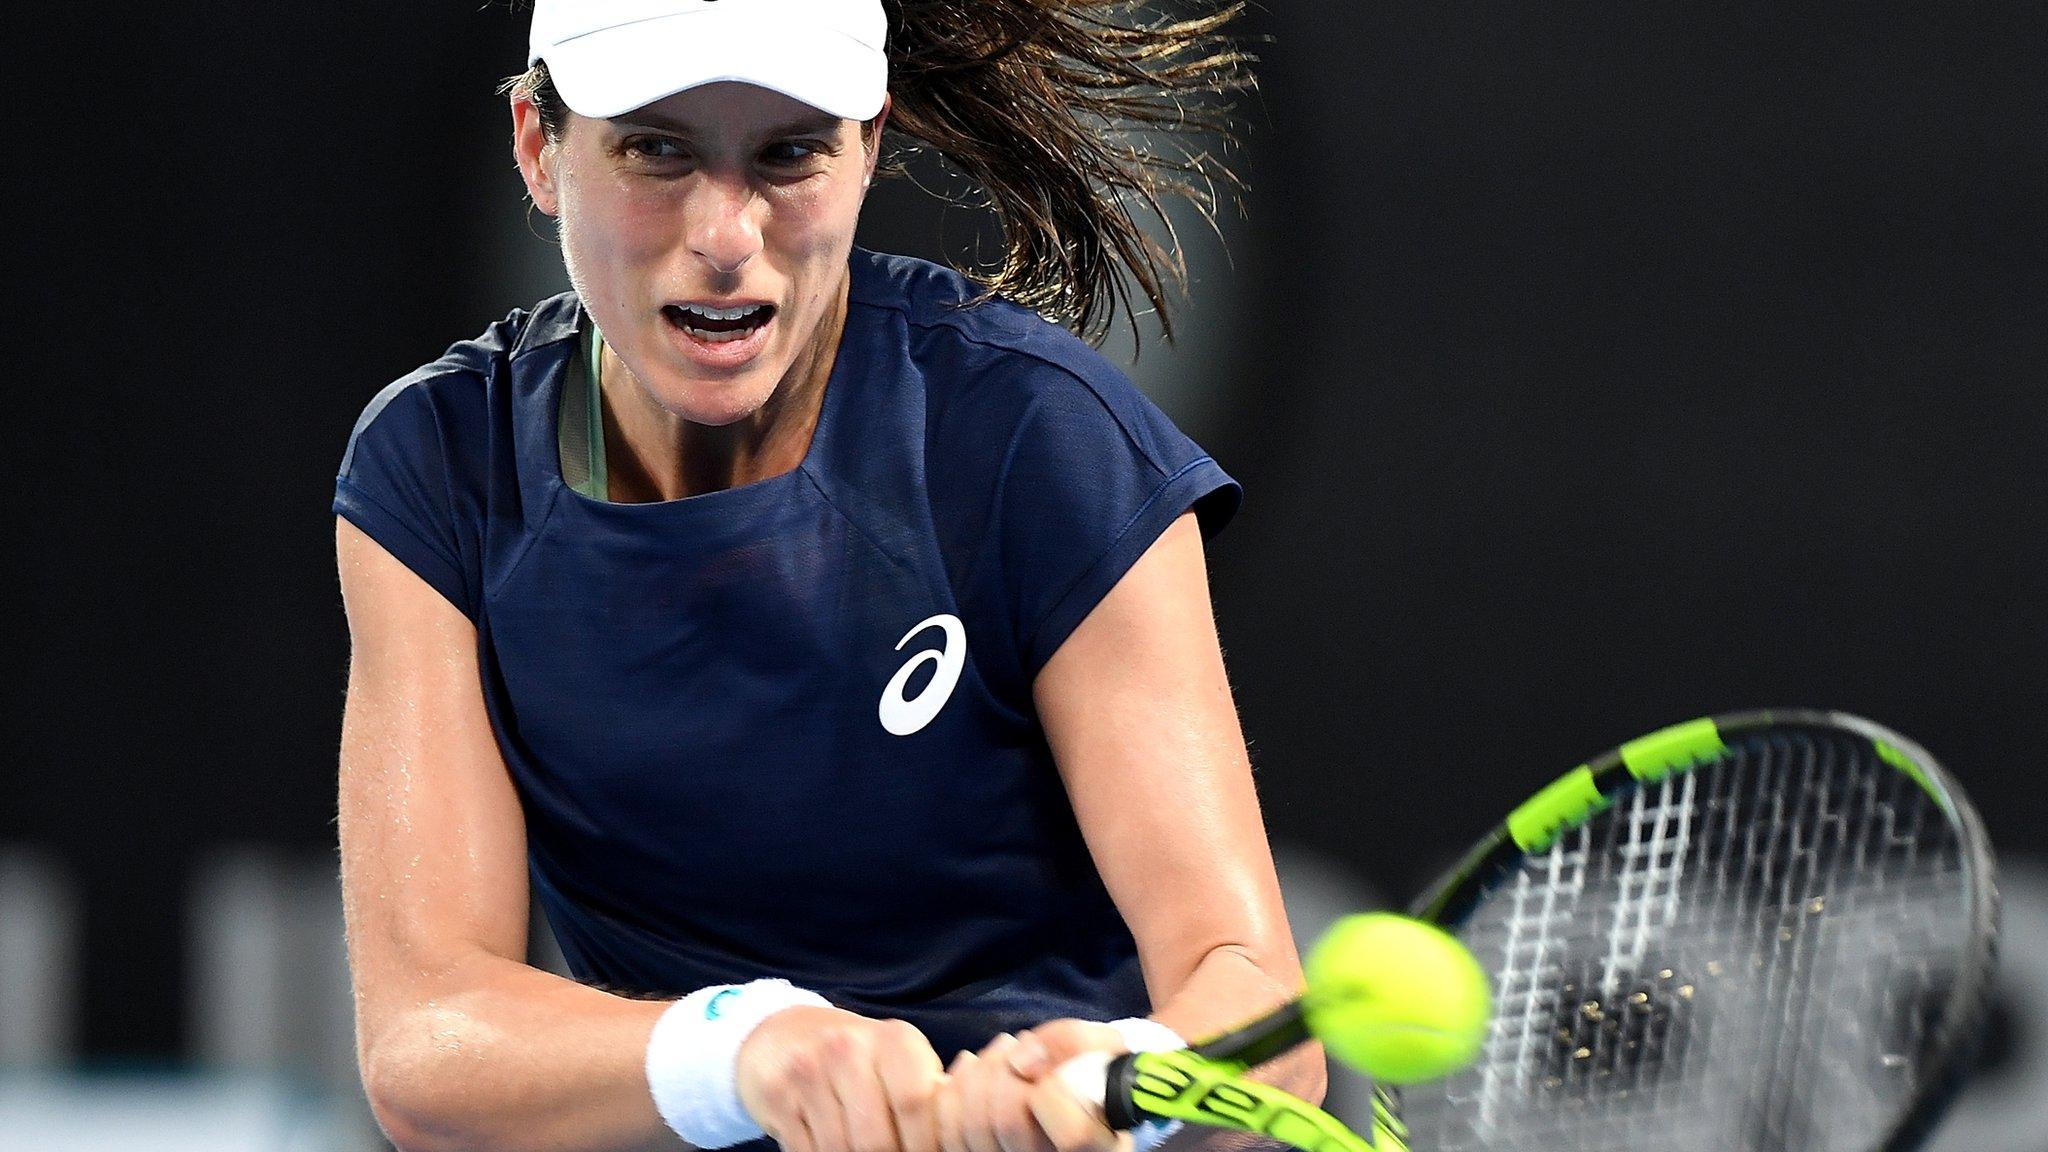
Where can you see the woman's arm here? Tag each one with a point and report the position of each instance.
(460, 1042)
(462, 1045)
(1139, 715)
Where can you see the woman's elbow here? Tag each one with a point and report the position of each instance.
(399, 1127)
(410, 1098)
(1310, 1079)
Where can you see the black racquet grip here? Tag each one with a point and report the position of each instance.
(1121, 1082)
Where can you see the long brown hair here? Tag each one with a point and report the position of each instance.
(1058, 111)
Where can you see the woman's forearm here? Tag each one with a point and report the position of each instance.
(512, 1058)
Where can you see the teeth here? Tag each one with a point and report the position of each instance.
(723, 313)
(752, 319)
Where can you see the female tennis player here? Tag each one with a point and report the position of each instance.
(824, 640)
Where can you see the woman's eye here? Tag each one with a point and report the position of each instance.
(653, 148)
(789, 152)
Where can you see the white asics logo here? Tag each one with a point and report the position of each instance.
(903, 717)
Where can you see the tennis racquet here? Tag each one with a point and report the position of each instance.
(1769, 931)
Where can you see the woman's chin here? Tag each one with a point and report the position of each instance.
(716, 404)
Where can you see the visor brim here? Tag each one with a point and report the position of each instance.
(610, 73)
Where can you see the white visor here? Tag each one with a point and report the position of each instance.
(608, 57)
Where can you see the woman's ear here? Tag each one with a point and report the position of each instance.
(871, 135)
(534, 155)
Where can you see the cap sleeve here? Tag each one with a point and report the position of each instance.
(1088, 476)
(395, 485)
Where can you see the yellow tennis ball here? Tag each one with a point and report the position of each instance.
(1400, 1000)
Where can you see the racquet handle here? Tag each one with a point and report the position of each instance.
(1191, 1086)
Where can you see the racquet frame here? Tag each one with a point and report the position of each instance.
(1593, 787)
(1206, 1083)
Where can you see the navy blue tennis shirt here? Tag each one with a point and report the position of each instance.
(786, 729)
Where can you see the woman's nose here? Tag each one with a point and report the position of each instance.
(723, 227)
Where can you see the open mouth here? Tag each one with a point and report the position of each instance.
(719, 325)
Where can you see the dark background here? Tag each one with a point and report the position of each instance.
(1589, 368)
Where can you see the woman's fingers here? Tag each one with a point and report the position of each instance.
(977, 1091)
(1009, 1107)
(1071, 1125)
(1054, 1042)
(910, 1079)
(796, 1137)
(838, 1082)
(825, 1080)
(825, 1120)
(864, 1108)
(947, 1109)
(805, 1091)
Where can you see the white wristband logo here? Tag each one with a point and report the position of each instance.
(902, 717)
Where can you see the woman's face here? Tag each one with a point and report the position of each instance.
(721, 197)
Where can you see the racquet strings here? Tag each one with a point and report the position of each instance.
(1751, 955)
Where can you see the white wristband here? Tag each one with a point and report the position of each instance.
(691, 1057)
(1143, 1035)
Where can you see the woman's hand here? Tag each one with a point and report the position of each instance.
(1006, 1098)
(828, 1080)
